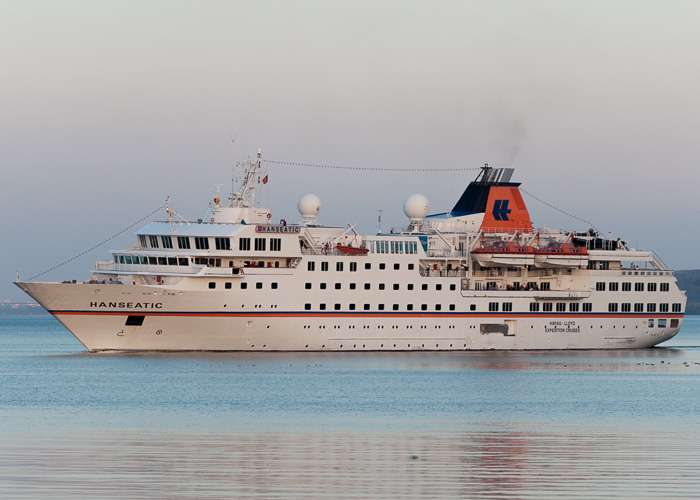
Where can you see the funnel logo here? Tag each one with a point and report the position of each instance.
(501, 210)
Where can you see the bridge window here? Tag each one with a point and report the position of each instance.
(201, 243)
(183, 242)
(222, 243)
(244, 245)
(153, 240)
(259, 244)
(142, 241)
(275, 244)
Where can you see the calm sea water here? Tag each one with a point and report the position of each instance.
(581, 424)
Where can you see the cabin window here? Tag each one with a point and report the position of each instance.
(367, 286)
(651, 287)
(311, 265)
(322, 307)
(627, 287)
(183, 242)
(493, 306)
(626, 307)
(368, 266)
(162, 261)
(352, 307)
(366, 307)
(212, 285)
(275, 244)
(605, 265)
(153, 240)
(353, 267)
(382, 265)
(612, 307)
(127, 258)
(201, 243)
(663, 287)
(409, 286)
(322, 286)
(227, 285)
(507, 306)
(573, 307)
(222, 243)
(650, 323)
(639, 287)
(674, 323)
(396, 286)
(544, 285)
(167, 241)
(244, 285)
(337, 307)
(172, 261)
(452, 307)
(411, 267)
(244, 245)
(409, 307)
(153, 261)
(183, 261)
(259, 244)
(663, 308)
(380, 307)
(337, 286)
(547, 306)
(561, 307)
(339, 266)
(662, 323)
(600, 286)
(142, 241)
(396, 267)
(424, 307)
(424, 286)
(307, 286)
(638, 307)
(381, 286)
(324, 266)
(453, 287)
(438, 307)
(613, 286)
(273, 285)
(307, 307)
(353, 286)
(676, 308)
(472, 307)
(534, 307)
(651, 308)
(587, 307)
(134, 320)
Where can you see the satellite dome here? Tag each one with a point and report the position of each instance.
(416, 207)
(309, 205)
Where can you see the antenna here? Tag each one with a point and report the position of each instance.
(380, 221)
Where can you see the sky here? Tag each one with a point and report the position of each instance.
(108, 107)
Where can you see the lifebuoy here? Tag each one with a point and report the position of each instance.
(269, 216)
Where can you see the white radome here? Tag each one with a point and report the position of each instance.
(416, 207)
(309, 206)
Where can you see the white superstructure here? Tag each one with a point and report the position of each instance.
(477, 277)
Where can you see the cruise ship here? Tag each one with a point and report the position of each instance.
(478, 277)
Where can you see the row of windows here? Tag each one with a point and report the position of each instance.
(202, 243)
(627, 287)
(244, 285)
(339, 266)
(380, 286)
(380, 307)
(399, 247)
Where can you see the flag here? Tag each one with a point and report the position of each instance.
(265, 180)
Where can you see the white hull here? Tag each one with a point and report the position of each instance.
(190, 321)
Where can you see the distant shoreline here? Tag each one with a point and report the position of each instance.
(26, 309)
